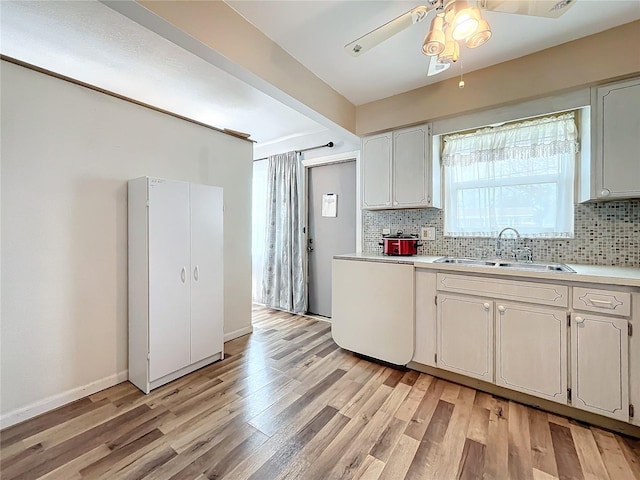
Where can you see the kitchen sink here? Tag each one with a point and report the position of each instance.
(536, 267)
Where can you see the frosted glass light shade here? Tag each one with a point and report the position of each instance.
(451, 49)
(480, 37)
(435, 40)
(465, 23)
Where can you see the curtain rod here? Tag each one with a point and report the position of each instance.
(330, 145)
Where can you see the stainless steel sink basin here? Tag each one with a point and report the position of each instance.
(465, 261)
(537, 267)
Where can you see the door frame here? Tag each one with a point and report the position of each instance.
(321, 161)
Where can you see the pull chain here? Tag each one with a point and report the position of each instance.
(461, 82)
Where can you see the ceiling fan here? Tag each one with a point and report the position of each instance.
(455, 21)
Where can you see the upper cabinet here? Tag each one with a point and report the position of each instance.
(397, 170)
(615, 121)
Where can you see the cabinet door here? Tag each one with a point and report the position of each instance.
(600, 365)
(531, 350)
(410, 167)
(465, 336)
(376, 171)
(425, 342)
(617, 141)
(206, 272)
(169, 334)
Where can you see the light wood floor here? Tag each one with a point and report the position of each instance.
(287, 403)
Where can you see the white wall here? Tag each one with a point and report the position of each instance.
(67, 153)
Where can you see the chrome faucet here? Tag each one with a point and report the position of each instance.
(499, 241)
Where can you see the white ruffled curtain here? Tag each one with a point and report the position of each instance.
(519, 175)
(283, 283)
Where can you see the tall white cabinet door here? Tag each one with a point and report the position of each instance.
(600, 365)
(465, 336)
(206, 272)
(169, 265)
(425, 336)
(410, 167)
(531, 350)
(617, 141)
(376, 171)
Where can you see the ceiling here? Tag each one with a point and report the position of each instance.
(91, 42)
(88, 41)
(315, 33)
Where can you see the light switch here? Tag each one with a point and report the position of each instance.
(386, 231)
(428, 233)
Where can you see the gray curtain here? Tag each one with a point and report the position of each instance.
(283, 284)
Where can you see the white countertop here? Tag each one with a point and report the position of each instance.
(626, 276)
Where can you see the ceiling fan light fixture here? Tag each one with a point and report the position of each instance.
(434, 42)
(451, 50)
(480, 37)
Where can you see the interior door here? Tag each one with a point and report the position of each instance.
(169, 335)
(206, 271)
(329, 235)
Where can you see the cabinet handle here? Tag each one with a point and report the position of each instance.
(501, 308)
(196, 273)
(579, 320)
(486, 306)
(183, 274)
(608, 303)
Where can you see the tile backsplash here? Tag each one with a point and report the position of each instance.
(606, 233)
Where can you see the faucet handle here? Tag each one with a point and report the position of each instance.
(526, 254)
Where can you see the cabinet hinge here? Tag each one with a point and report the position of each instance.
(568, 319)
(569, 394)
(630, 329)
(631, 410)
(435, 358)
(435, 300)
(148, 357)
(147, 203)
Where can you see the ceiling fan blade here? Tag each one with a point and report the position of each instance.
(435, 67)
(536, 8)
(388, 30)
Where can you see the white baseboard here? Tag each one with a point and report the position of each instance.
(238, 333)
(41, 406)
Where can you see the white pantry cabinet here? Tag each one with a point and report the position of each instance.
(175, 279)
(615, 169)
(397, 171)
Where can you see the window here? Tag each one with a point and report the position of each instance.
(519, 175)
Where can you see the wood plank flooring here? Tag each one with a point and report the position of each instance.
(287, 403)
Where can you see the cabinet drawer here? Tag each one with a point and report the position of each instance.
(540, 293)
(603, 301)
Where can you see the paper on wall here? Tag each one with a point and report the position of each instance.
(329, 205)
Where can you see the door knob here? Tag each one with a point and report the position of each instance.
(501, 308)
(579, 320)
(486, 306)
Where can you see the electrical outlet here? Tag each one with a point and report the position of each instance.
(386, 231)
(428, 233)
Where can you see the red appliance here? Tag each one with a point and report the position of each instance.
(400, 244)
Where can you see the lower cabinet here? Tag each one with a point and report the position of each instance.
(599, 365)
(531, 353)
(465, 336)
